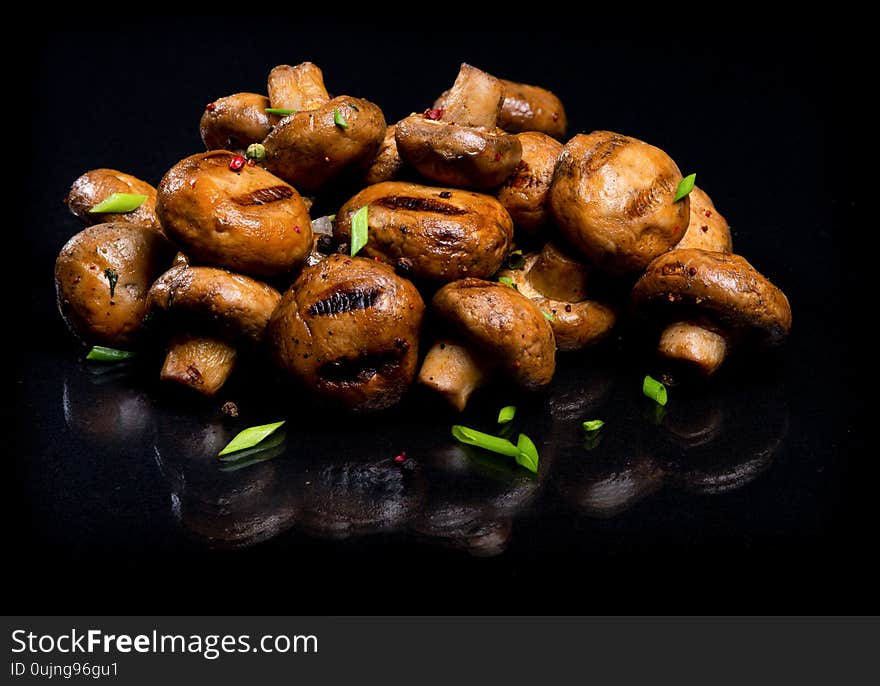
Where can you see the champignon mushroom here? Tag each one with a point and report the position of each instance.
(329, 139)
(440, 234)
(96, 185)
(236, 121)
(297, 88)
(612, 197)
(557, 283)
(213, 311)
(459, 145)
(491, 327)
(524, 194)
(102, 276)
(348, 329)
(707, 229)
(714, 300)
(387, 164)
(232, 215)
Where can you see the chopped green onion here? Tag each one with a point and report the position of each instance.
(331, 217)
(524, 452)
(685, 186)
(507, 281)
(112, 278)
(99, 353)
(654, 389)
(506, 414)
(528, 453)
(360, 229)
(255, 151)
(593, 425)
(548, 316)
(119, 202)
(338, 119)
(249, 437)
(245, 454)
(279, 110)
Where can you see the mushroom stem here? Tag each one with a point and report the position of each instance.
(198, 362)
(453, 371)
(297, 88)
(474, 99)
(694, 345)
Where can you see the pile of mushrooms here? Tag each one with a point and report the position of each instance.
(474, 245)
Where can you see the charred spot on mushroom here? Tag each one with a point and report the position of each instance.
(345, 301)
(423, 204)
(359, 369)
(264, 196)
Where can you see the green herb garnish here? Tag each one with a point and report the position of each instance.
(528, 454)
(524, 452)
(119, 202)
(249, 437)
(549, 316)
(100, 353)
(593, 425)
(360, 229)
(338, 119)
(507, 281)
(685, 186)
(279, 110)
(112, 278)
(506, 414)
(654, 389)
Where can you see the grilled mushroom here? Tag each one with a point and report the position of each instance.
(236, 121)
(707, 229)
(387, 164)
(96, 185)
(524, 194)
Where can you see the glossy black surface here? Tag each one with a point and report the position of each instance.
(741, 498)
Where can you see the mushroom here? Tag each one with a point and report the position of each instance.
(387, 164)
(326, 138)
(97, 184)
(214, 311)
(102, 276)
(226, 213)
(712, 300)
(460, 144)
(557, 283)
(236, 121)
(707, 229)
(492, 327)
(524, 194)
(612, 197)
(348, 329)
(439, 234)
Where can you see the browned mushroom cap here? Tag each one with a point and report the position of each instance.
(96, 185)
(443, 233)
(722, 293)
(236, 121)
(707, 229)
(297, 88)
(524, 194)
(612, 197)
(96, 308)
(387, 164)
(497, 325)
(312, 147)
(247, 220)
(348, 330)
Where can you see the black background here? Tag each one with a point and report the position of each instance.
(756, 115)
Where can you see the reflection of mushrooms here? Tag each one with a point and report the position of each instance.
(236, 121)
(217, 310)
(612, 197)
(494, 327)
(96, 185)
(462, 147)
(557, 283)
(106, 412)
(245, 219)
(102, 276)
(713, 300)
(524, 194)
(348, 329)
(442, 234)
(707, 229)
(324, 140)
(387, 164)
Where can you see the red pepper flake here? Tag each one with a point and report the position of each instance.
(400, 459)
(704, 228)
(497, 156)
(237, 163)
(347, 262)
(433, 114)
(708, 213)
(297, 229)
(555, 116)
(674, 229)
(210, 107)
(377, 259)
(516, 364)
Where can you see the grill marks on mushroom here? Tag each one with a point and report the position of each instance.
(345, 301)
(419, 204)
(264, 196)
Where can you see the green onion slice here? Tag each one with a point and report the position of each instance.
(99, 353)
(524, 452)
(527, 455)
(360, 229)
(685, 186)
(507, 281)
(506, 414)
(112, 279)
(338, 119)
(593, 425)
(654, 389)
(249, 437)
(279, 110)
(119, 202)
(548, 316)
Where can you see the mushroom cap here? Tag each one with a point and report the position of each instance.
(612, 198)
(138, 254)
(724, 287)
(348, 329)
(233, 306)
(249, 220)
(446, 233)
(387, 164)
(309, 149)
(503, 323)
(707, 229)
(531, 108)
(524, 194)
(457, 155)
(96, 184)
(236, 121)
